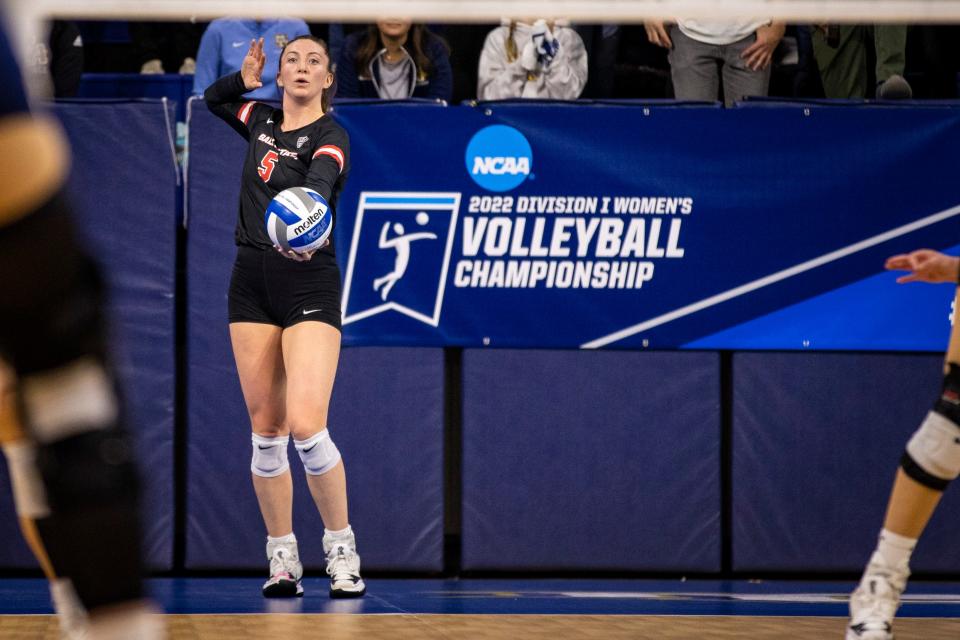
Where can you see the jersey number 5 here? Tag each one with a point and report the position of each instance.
(267, 164)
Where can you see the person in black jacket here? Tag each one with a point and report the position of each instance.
(393, 60)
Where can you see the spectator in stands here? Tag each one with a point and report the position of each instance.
(602, 42)
(166, 47)
(57, 62)
(226, 41)
(841, 53)
(337, 33)
(532, 58)
(393, 60)
(707, 56)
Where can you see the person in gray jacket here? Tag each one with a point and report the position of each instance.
(532, 59)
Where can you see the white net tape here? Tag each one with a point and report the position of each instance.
(612, 11)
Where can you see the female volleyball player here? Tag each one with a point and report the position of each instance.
(930, 462)
(284, 308)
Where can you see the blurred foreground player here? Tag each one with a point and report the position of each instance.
(930, 462)
(76, 484)
(21, 454)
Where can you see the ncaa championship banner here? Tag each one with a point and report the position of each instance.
(663, 227)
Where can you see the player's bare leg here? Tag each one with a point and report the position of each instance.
(256, 348)
(930, 462)
(30, 503)
(311, 352)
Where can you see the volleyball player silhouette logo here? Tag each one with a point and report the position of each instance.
(399, 255)
(400, 242)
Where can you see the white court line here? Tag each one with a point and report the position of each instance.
(772, 278)
(785, 598)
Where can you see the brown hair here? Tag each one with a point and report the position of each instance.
(416, 39)
(326, 95)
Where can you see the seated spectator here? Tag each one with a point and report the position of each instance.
(707, 56)
(226, 41)
(532, 59)
(166, 47)
(393, 60)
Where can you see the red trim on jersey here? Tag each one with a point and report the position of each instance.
(244, 113)
(333, 151)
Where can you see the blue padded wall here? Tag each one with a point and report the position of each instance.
(14, 552)
(816, 442)
(591, 460)
(124, 189)
(386, 418)
(386, 415)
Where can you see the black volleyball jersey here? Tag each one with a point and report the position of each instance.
(316, 156)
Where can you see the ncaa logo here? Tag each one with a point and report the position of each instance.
(499, 158)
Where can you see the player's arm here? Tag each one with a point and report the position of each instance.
(330, 160)
(28, 184)
(225, 96)
(925, 265)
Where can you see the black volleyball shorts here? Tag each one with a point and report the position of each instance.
(270, 289)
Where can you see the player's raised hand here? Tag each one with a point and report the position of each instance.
(252, 68)
(924, 265)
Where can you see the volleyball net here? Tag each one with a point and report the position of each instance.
(589, 11)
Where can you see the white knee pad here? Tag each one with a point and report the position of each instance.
(69, 401)
(29, 494)
(269, 456)
(935, 446)
(318, 453)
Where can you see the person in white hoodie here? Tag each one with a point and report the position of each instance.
(532, 59)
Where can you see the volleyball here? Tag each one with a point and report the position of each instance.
(298, 219)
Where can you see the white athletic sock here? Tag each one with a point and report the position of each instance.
(287, 539)
(895, 549)
(343, 535)
(333, 538)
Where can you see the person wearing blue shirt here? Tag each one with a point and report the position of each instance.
(225, 42)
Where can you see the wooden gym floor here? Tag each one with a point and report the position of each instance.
(232, 608)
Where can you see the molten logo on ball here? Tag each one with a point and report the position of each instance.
(298, 219)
